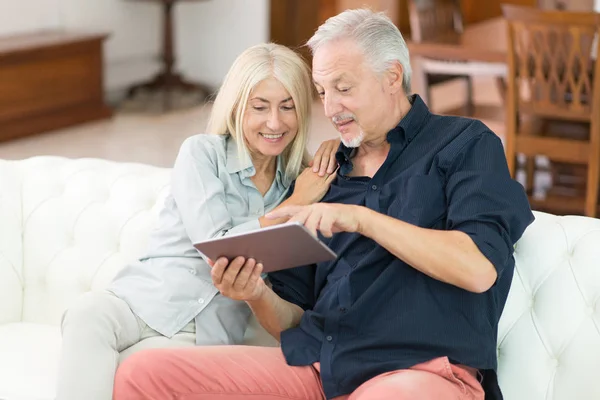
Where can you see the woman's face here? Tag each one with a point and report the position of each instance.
(270, 122)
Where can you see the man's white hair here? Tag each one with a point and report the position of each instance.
(378, 37)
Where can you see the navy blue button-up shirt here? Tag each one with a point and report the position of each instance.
(369, 312)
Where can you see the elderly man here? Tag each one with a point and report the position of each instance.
(423, 215)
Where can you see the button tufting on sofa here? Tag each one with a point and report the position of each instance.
(53, 249)
(590, 311)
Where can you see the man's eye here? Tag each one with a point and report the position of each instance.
(321, 94)
(344, 90)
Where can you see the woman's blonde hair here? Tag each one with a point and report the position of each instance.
(254, 65)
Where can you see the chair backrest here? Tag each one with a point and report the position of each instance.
(553, 71)
(431, 18)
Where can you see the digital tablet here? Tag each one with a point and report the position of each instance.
(277, 247)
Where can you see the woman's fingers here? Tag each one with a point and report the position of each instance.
(218, 269)
(316, 161)
(332, 162)
(254, 277)
(232, 272)
(244, 275)
(324, 160)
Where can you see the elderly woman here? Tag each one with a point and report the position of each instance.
(223, 183)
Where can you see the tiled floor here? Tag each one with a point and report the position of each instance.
(155, 139)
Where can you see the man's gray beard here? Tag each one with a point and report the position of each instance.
(355, 142)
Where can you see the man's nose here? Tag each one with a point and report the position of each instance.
(331, 106)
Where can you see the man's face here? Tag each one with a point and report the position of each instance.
(353, 95)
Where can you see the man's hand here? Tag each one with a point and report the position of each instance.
(324, 217)
(239, 279)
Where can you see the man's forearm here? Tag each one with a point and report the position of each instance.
(275, 314)
(448, 256)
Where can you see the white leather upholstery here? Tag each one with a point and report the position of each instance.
(82, 221)
(549, 335)
(11, 245)
(28, 357)
(66, 227)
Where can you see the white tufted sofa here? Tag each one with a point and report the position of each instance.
(67, 226)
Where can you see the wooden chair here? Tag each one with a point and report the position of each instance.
(553, 100)
(441, 20)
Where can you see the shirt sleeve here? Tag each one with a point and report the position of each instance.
(296, 285)
(484, 201)
(200, 195)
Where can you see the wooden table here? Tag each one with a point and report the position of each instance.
(168, 80)
(483, 42)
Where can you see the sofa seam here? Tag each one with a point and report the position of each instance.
(23, 275)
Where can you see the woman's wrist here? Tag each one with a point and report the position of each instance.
(295, 200)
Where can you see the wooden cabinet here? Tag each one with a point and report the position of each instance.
(50, 80)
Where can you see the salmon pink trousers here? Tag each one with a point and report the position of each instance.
(261, 373)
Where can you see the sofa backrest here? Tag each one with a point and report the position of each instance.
(549, 333)
(67, 226)
(79, 221)
(11, 244)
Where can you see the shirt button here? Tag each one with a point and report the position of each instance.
(374, 187)
(329, 338)
(201, 301)
(343, 309)
(193, 271)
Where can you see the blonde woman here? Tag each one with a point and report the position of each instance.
(223, 182)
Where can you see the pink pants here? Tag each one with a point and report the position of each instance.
(261, 373)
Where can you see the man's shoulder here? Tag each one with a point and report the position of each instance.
(457, 132)
(457, 125)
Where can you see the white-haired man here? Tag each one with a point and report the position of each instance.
(423, 215)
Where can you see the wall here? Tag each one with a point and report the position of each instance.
(212, 34)
(209, 33)
(26, 15)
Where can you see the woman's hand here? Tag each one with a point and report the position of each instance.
(310, 187)
(239, 279)
(324, 161)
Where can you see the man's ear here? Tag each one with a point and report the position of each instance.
(395, 77)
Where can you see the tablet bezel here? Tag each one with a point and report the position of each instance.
(295, 244)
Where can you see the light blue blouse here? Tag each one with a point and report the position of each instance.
(211, 195)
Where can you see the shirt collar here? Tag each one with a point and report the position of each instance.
(408, 127)
(244, 165)
(236, 162)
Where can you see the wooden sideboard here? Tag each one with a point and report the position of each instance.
(50, 80)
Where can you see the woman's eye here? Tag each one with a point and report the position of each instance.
(287, 108)
(260, 108)
(344, 90)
